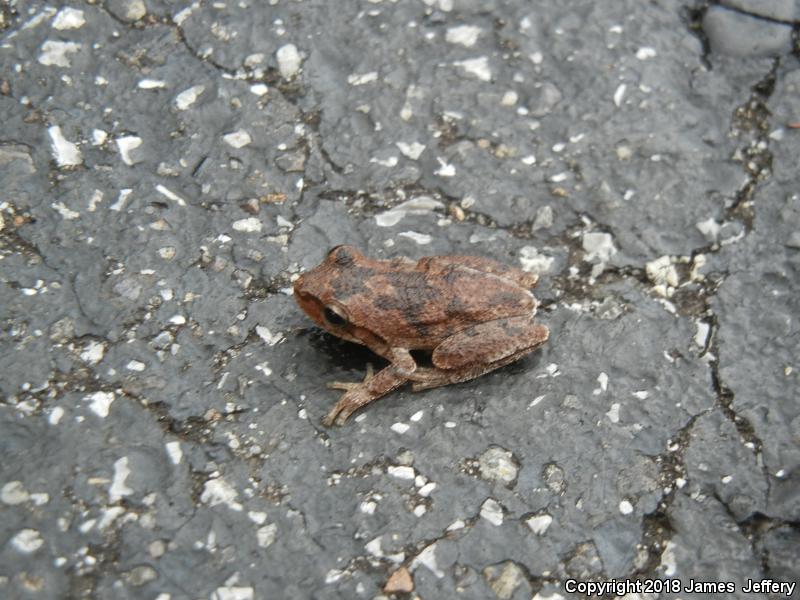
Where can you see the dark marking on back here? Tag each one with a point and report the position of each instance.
(457, 306)
(505, 297)
(415, 297)
(511, 329)
(350, 282)
(387, 302)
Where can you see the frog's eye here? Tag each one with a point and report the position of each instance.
(344, 256)
(335, 316)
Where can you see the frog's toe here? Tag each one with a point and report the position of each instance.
(330, 418)
(342, 410)
(347, 386)
(344, 415)
(334, 416)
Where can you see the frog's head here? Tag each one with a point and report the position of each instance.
(322, 291)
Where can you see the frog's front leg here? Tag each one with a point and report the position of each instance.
(480, 349)
(373, 387)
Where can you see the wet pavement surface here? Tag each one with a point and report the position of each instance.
(169, 168)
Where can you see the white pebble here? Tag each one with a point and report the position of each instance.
(248, 225)
(400, 428)
(598, 245)
(55, 416)
(289, 60)
(510, 98)
(237, 139)
(188, 97)
(645, 52)
(619, 94)
(426, 489)
(401, 472)
(56, 53)
(99, 137)
(420, 238)
(363, 78)
(151, 84)
(13, 493)
(412, 150)
(538, 524)
(100, 403)
(125, 145)
(27, 541)
(492, 512)
(69, 18)
(466, 35)
(65, 152)
(479, 67)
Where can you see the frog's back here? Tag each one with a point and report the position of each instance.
(418, 309)
(481, 296)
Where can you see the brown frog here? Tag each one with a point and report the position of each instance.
(474, 315)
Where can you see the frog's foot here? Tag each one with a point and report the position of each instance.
(349, 385)
(353, 398)
(357, 395)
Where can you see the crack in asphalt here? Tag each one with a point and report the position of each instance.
(656, 527)
(656, 530)
(759, 16)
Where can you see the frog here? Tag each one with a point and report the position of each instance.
(469, 314)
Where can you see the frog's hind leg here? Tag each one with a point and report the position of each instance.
(480, 349)
(357, 395)
(373, 387)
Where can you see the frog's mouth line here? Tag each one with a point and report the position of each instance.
(330, 318)
(302, 299)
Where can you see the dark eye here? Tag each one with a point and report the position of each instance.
(344, 256)
(334, 317)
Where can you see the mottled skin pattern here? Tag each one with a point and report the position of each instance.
(474, 314)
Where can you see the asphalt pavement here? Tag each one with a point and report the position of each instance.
(168, 169)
